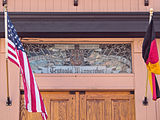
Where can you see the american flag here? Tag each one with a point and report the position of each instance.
(17, 55)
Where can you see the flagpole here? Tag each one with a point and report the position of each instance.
(8, 102)
(151, 14)
(145, 101)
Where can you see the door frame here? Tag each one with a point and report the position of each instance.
(84, 81)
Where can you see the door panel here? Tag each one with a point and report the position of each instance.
(84, 106)
(59, 110)
(95, 109)
(107, 106)
(120, 109)
(59, 106)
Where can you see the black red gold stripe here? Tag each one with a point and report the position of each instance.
(151, 58)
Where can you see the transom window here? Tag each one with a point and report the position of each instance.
(79, 58)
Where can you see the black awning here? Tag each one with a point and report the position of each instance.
(109, 23)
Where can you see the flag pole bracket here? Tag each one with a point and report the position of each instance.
(145, 101)
(146, 2)
(8, 102)
(4, 2)
(75, 2)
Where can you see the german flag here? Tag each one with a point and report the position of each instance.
(151, 58)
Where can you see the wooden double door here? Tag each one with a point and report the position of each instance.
(84, 106)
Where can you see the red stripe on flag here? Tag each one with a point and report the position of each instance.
(32, 86)
(154, 87)
(9, 45)
(12, 54)
(153, 53)
(42, 106)
(13, 61)
(24, 78)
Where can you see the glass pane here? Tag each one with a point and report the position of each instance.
(80, 58)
